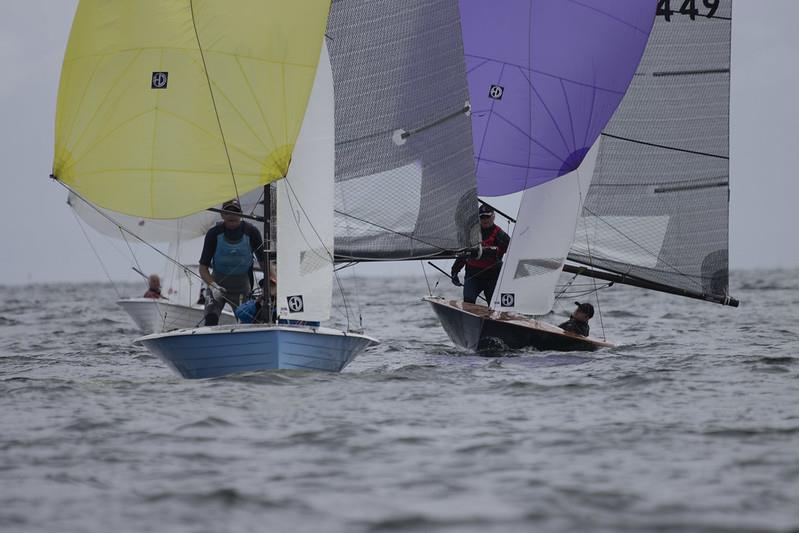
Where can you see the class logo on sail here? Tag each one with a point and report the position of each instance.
(295, 304)
(496, 92)
(159, 80)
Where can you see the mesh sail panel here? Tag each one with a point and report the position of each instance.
(657, 208)
(398, 67)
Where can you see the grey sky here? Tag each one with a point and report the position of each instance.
(43, 242)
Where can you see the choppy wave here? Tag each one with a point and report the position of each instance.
(689, 424)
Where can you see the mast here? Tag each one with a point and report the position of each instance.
(267, 246)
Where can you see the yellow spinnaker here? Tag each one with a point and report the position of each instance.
(138, 128)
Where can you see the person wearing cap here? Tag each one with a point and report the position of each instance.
(251, 311)
(227, 259)
(578, 322)
(483, 271)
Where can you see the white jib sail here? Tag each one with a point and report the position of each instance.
(541, 239)
(305, 210)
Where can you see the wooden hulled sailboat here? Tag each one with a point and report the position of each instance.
(648, 199)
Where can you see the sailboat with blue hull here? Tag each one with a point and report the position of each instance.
(238, 95)
(210, 352)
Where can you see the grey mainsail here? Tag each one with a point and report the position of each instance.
(405, 184)
(657, 208)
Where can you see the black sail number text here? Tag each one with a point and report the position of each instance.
(687, 8)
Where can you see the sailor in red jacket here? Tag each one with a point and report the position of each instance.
(482, 272)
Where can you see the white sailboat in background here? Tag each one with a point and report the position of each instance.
(181, 283)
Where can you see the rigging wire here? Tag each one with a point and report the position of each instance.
(213, 101)
(565, 287)
(330, 255)
(389, 230)
(99, 259)
(353, 277)
(429, 290)
(126, 230)
(591, 261)
(132, 254)
(634, 242)
(356, 284)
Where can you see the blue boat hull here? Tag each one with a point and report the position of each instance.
(210, 352)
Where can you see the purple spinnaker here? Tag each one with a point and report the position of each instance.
(545, 77)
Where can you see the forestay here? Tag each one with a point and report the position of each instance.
(167, 107)
(405, 185)
(657, 209)
(305, 210)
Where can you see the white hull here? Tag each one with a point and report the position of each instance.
(155, 316)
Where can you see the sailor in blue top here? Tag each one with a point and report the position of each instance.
(226, 261)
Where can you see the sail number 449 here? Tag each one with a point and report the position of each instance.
(688, 8)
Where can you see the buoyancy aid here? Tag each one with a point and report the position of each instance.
(231, 259)
(491, 240)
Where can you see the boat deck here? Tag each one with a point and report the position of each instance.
(471, 326)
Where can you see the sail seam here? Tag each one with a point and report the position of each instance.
(257, 102)
(87, 126)
(547, 74)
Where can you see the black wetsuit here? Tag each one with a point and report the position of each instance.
(239, 282)
(575, 326)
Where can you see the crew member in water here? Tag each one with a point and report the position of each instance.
(578, 322)
(154, 287)
(483, 271)
(226, 261)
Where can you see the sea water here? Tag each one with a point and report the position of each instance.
(690, 424)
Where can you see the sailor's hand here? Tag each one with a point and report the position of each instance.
(471, 253)
(455, 280)
(217, 292)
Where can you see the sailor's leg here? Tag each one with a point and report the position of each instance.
(471, 288)
(235, 299)
(213, 308)
(488, 286)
